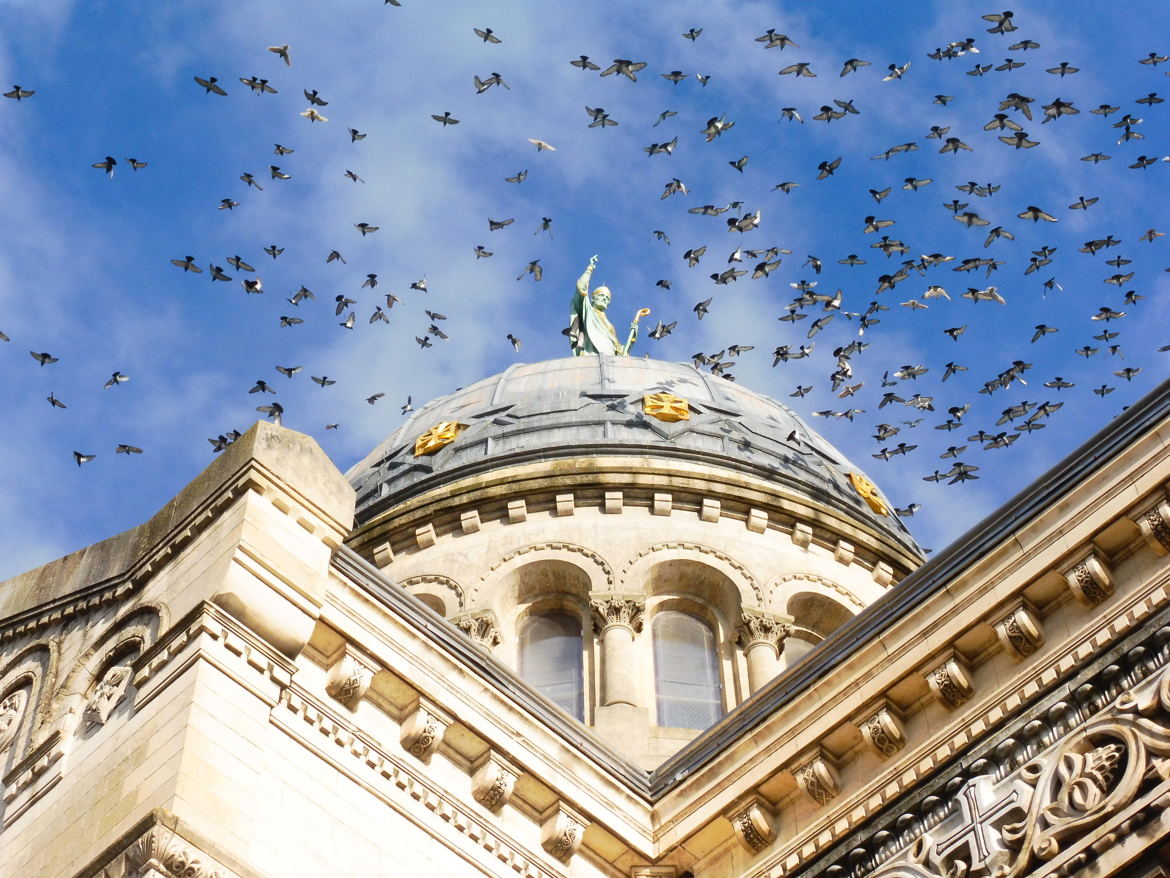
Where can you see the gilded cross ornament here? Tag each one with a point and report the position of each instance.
(869, 493)
(437, 437)
(666, 407)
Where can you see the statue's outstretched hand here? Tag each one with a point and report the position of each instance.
(593, 261)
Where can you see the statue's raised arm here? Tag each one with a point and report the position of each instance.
(590, 331)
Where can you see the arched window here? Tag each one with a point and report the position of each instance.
(550, 659)
(686, 671)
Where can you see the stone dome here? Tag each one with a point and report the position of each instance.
(578, 407)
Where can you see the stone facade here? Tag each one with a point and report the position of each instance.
(252, 684)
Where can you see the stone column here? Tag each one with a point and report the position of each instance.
(762, 637)
(616, 620)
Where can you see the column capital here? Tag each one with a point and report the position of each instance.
(756, 626)
(611, 609)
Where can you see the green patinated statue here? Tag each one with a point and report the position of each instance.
(590, 331)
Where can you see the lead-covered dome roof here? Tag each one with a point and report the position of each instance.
(588, 406)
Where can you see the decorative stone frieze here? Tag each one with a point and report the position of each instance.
(818, 779)
(883, 731)
(350, 676)
(950, 681)
(423, 730)
(1154, 523)
(493, 782)
(11, 712)
(479, 626)
(1019, 630)
(617, 609)
(1058, 802)
(1089, 579)
(751, 820)
(561, 829)
(111, 689)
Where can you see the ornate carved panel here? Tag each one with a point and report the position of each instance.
(1089, 579)
(751, 821)
(561, 830)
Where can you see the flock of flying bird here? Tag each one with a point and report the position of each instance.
(1013, 119)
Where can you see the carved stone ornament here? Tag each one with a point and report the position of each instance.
(438, 436)
(869, 493)
(110, 690)
(11, 711)
(1019, 630)
(561, 830)
(1089, 580)
(950, 682)
(617, 609)
(1012, 827)
(666, 407)
(1154, 523)
(159, 853)
(493, 782)
(349, 678)
(752, 823)
(423, 731)
(757, 627)
(818, 779)
(883, 731)
(480, 627)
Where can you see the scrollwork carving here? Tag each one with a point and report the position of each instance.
(480, 627)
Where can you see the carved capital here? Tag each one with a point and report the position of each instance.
(423, 730)
(480, 627)
(1019, 630)
(751, 820)
(109, 692)
(756, 626)
(883, 731)
(561, 829)
(818, 779)
(950, 681)
(1154, 523)
(160, 853)
(493, 782)
(349, 677)
(617, 609)
(1089, 579)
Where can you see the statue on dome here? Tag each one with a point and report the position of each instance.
(590, 331)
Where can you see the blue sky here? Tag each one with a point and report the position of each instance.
(86, 272)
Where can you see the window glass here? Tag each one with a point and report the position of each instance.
(686, 671)
(550, 659)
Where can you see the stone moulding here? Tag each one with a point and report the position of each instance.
(349, 677)
(561, 830)
(744, 574)
(493, 782)
(396, 783)
(950, 680)
(1153, 520)
(423, 730)
(751, 821)
(1019, 630)
(883, 731)
(1089, 579)
(555, 547)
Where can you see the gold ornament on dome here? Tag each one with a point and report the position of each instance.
(437, 437)
(666, 407)
(869, 493)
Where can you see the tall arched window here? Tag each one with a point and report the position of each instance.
(686, 671)
(550, 659)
